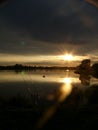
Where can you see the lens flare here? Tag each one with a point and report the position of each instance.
(65, 89)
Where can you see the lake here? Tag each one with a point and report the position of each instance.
(38, 99)
(43, 83)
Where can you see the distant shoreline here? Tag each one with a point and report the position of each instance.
(24, 67)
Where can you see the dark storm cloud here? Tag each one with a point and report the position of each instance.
(51, 21)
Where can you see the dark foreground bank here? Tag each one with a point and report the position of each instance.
(72, 114)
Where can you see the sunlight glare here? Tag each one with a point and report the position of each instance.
(68, 57)
(67, 80)
(65, 90)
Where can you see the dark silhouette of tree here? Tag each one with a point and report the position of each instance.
(85, 71)
(84, 67)
(85, 79)
(95, 70)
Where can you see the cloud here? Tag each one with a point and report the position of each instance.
(52, 21)
(48, 27)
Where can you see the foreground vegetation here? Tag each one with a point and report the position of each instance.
(79, 111)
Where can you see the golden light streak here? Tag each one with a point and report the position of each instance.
(46, 116)
(55, 60)
(65, 89)
(70, 57)
(67, 80)
(60, 96)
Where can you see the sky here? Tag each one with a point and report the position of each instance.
(39, 31)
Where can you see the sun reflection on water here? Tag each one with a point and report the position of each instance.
(60, 95)
(65, 89)
(67, 80)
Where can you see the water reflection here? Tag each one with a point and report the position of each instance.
(85, 79)
(62, 81)
(77, 97)
(70, 79)
(67, 80)
(48, 92)
(60, 95)
(64, 90)
(40, 76)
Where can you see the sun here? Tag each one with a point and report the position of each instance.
(68, 57)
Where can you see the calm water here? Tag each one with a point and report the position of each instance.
(47, 91)
(44, 83)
